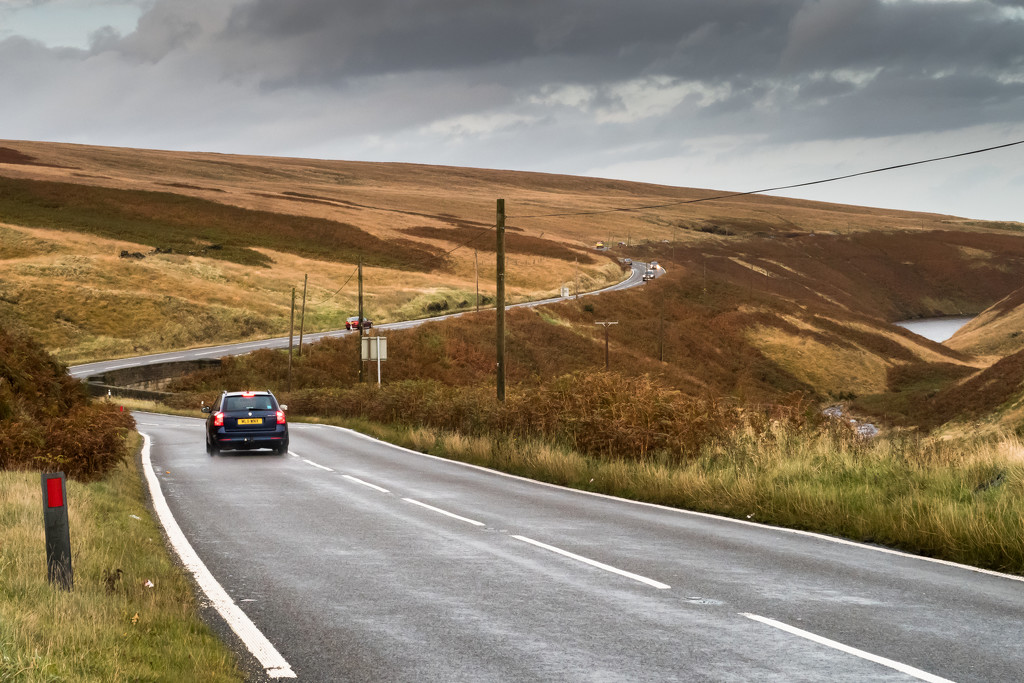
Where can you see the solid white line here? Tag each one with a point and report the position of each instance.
(365, 483)
(310, 462)
(595, 563)
(444, 512)
(261, 648)
(902, 668)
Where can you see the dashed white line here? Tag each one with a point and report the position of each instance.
(365, 483)
(892, 664)
(269, 658)
(310, 462)
(595, 563)
(444, 512)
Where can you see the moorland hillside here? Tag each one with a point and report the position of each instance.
(108, 252)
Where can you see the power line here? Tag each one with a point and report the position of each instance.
(483, 231)
(331, 296)
(771, 189)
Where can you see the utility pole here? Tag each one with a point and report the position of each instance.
(302, 319)
(606, 325)
(576, 275)
(291, 332)
(704, 290)
(359, 332)
(476, 268)
(500, 303)
(661, 337)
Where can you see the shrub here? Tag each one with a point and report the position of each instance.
(48, 422)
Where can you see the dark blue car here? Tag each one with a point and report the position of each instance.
(246, 420)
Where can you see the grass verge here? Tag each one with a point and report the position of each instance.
(116, 630)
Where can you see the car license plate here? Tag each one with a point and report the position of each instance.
(250, 421)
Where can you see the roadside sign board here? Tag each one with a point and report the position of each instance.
(375, 348)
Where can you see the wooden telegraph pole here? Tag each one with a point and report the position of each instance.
(359, 331)
(302, 318)
(500, 303)
(606, 325)
(476, 268)
(291, 333)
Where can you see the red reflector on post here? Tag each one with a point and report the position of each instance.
(54, 493)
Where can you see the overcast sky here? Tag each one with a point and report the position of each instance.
(732, 95)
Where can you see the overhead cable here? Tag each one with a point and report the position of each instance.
(625, 209)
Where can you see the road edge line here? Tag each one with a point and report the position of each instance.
(262, 649)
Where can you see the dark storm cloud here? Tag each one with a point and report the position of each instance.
(589, 40)
(564, 85)
(606, 40)
(803, 59)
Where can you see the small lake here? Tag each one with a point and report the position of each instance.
(936, 329)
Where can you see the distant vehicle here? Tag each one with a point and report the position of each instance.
(654, 265)
(352, 323)
(648, 275)
(627, 261)
(245, 420)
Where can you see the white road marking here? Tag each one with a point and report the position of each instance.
(595, 563)
(444, 512)
(261, 648)
(161, 360)
(691, 513)
(898, 666)
(310, 462)
(365, 483)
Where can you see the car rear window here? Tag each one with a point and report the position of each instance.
(257, 402)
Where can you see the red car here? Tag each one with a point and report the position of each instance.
(352, 323)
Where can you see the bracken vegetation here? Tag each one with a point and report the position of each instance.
(175, 223)
(47, 421)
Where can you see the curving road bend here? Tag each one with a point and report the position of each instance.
(84, 370)
(360, 561)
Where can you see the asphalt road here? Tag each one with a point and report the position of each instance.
(360, 561)
(86, 369)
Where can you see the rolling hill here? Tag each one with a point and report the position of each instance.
(107, 252)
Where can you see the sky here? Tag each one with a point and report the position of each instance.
(731, 95)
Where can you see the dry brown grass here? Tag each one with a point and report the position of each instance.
(751, 279)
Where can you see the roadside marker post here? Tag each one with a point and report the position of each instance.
(58, 535)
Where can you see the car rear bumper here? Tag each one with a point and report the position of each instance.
(247, 440)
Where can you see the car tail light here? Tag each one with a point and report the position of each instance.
(280, 417)
(218, 419)
(248, 394)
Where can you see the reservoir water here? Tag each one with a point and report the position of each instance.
(936, 329)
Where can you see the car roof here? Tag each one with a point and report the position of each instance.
(253, 393)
